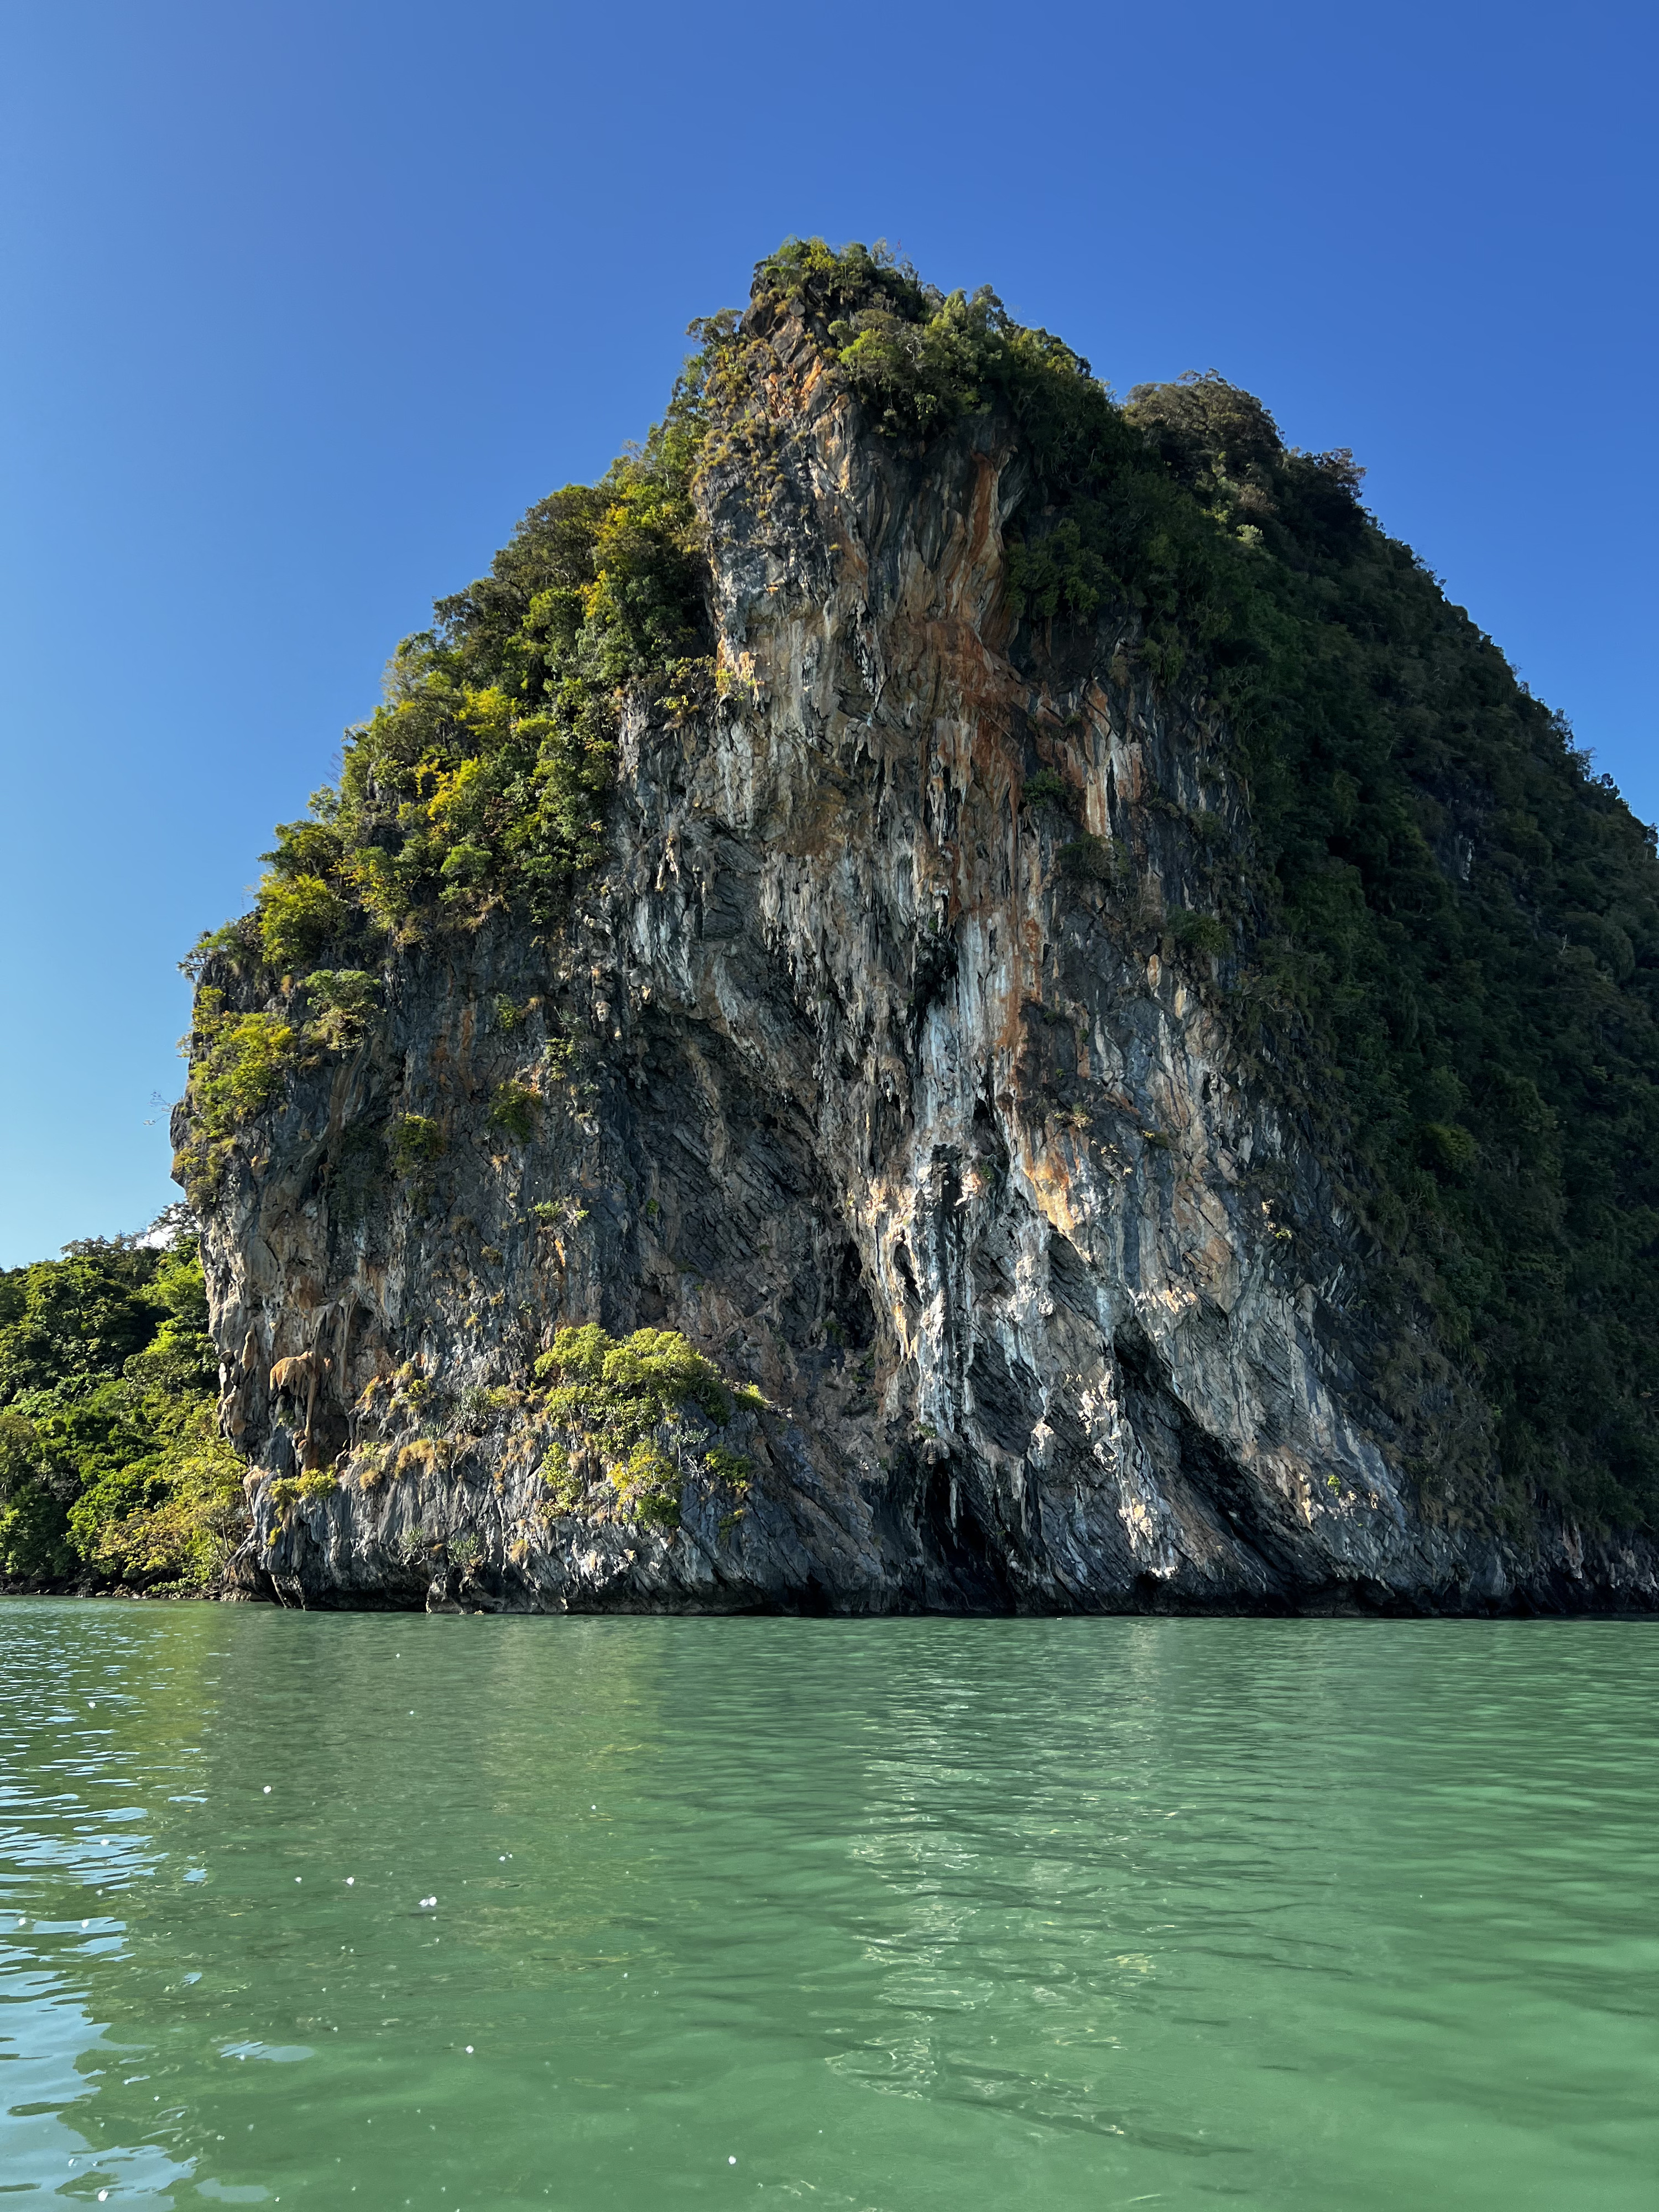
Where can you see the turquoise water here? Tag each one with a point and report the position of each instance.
(894, 1915)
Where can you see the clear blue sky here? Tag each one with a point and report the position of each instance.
(306, 303)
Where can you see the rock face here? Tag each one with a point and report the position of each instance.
(853, 1064)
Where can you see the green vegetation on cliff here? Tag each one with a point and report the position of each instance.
(1453, 925)
(480, 780)
(479, 784)
(112, 1466)
(620, 1407)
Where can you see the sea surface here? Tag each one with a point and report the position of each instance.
(380, 1911)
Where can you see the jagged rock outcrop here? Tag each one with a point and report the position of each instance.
(876, 1076)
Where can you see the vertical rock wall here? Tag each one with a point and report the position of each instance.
(891, 1085)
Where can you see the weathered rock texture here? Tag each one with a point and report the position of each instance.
(887, 1111)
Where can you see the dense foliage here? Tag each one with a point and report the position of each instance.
(112, 1466)
(479, 784)
(618, 1407)
(1465, 921)
(480, 781)
(1448, 926)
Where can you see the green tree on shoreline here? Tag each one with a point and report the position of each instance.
(112, 1467)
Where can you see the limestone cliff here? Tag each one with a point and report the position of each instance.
(876, 1052)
